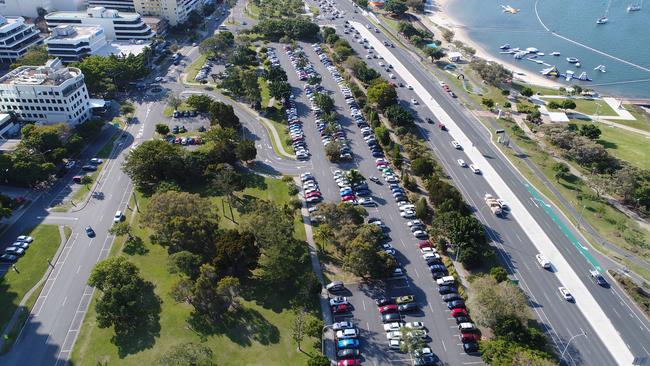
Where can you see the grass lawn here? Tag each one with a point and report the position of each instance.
(31, 267)
(610, 223)
(276, 117)
(261, 335)
(642, 118)
(194, 68)
(589, 106)
(625, 145)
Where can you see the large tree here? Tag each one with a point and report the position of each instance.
(153, 162)
(236, 254)
(223, 115)
(399, 116)
(395, 7)
(217, 45)
(492, 302)
(246, 150)
(200, 102)
(382, 94)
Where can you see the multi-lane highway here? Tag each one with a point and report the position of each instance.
(561, 319)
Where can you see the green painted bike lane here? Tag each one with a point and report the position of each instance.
(572, 238)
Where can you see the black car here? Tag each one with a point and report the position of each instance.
(90, 232)
(391, 318)
(433, 260)
(470, 347)
(8, 258)
(463, 319)
(345, 354)
(429, 120)
(439, 274)
(456, 304)
(408, 307)
(451, 297)
(383, 301)
(444, 290)
(89, 168)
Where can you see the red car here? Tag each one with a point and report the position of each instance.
(470, 337)
(424, 244)
(349, 363)
(459, 312)
(388, 309)
(347, 198)
(442, 127)
(341, 309)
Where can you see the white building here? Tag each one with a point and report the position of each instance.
(16, 37)
(29, 8)
(45, 94)
(121, 5)
(72, 43)
(116, 25)
(175, 11)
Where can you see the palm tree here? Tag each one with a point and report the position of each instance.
(322, 235)
(355, 176)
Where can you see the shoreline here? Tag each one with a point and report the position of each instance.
(442, 18)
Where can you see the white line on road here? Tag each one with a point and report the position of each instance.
(443, 345)
(78, 269)
(416, 272)
(364, 304)
(57, 218)
(65, 299)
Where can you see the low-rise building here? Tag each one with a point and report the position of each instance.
(117, 26)
(72, 43)
(16, 38)
(29, 8)
(45, 94)
(157, 25)
(175, 11)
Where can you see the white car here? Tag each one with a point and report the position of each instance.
(409, 87)
(415, 102)
(502, 204)
(347, 333)
(566, 294)
(118, 216)
(25, 239)
(431, 256)
(409, 214)
(475, 169)
(368, 201)
(415, 325)
(394, 335)
(339, 300)
(342, 325)
(414, 222)
(397, 272)
(390, 327)
(461, 162)
(423, 352)
(427, 250)
(394, 344)
(392, 76)
(159, 79)
(420, 234)
(406, 206)
(456, 145)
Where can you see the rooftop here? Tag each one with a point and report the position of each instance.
(7, 21)
(96, 12)
(70, 32)
(122, 48)
(53, 73)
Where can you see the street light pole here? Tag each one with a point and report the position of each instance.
(568, 343)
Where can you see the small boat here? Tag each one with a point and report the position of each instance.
(635, 6)
(540, 53)
(602, 20)
(583, 77)
(572, 60)
(520, 55)
(505, 46)
(509, 9)
(600, 68)
(516, 49)
(555, 53)
(532, 50)
(578, 64)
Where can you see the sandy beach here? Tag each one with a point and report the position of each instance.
(442, 18)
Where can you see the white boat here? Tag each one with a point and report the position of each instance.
(540, 53)
(600, 68)
(532, 50)
(578, 64)
(505, 46)
(520, 55)
(555, 53)
(602, 20)
(635, 6)
(572, 60)
(516, 49)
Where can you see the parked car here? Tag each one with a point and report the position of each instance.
(90, 232)
(89, 168)
(8, 258)
(342, 325)
(25, 239)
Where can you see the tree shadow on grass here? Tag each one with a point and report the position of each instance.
(143, 334)
(242, 326)
(254, 181)
(266, 295)
(608, 144)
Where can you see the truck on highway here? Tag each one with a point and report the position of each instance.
(493, 204)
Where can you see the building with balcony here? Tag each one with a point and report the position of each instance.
(175, 11)
(117, 26)
(120, 5)
(46, 94)
(72, 43)
(29, 8)
(16, 38)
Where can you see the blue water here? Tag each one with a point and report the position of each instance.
(626, 36)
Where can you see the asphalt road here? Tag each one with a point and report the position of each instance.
(561, 319)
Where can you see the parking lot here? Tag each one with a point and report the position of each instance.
(443, 334)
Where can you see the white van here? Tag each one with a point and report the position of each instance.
(466, 327)
(545, 263)
(445, 281)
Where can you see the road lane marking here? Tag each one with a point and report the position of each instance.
(78, 269)
(443, 345)
(65, 299)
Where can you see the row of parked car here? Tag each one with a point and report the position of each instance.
(345, 331)
(181, 114)
(354, 192)
(355, 111)
(295, 129)
(310, 188)
(17, 249)
(203, 72)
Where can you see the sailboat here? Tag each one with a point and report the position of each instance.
(604, 19)
(635, 6)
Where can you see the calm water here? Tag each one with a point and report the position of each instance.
(626, 36)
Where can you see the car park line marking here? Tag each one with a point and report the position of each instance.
(443, 345)
(78, 269)
(416, 272)
(65, 299)
(473, 363)
(364, 304)
(90, 242)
